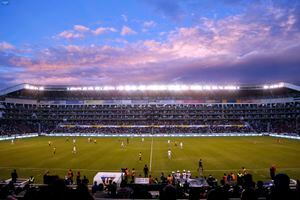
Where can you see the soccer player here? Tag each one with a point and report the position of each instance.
(188, 174)
(95, 141)
(177, 175)
(122, 145)
(146, 171)
(181, 145)
(54, 150)
(143, 139)
(74, 141)
(184, 175)
(67, 139)
(49, 143)
(74, 150)
(169, 141)
(140, 156)
(89, 139)
(169, 154)
(12, 141)
(127, 141)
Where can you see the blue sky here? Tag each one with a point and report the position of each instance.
(149, 41)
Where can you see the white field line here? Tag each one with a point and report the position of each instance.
(151, 153)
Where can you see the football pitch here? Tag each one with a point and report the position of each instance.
(33, 156)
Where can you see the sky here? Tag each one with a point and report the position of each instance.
(117, 42)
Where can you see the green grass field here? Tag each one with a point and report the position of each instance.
(220, 155)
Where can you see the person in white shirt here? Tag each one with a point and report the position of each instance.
(74, 150)
(169, 154)
(184, 175)
(188, 174)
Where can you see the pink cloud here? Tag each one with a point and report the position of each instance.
(81, 28)
(6, 46)
(70, 35)
(149, 24)
(127, 31)
(102, 30)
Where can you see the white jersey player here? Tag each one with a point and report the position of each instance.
(177, 175)
(12, 141)
(74, 150)
(169, 154)
(184, 175)
(188, 174)
(74, 140)
(122, 145)
(169, 141)
(143, 139)
(181, 145)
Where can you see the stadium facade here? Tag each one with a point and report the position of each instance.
(141, 110)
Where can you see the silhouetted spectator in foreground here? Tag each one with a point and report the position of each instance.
(168, 192)
(85, 181)
(281, 189)
(95, 188)
(216, 194)
(82, 192)
(14, 176)
(272, 172)
(260, 190)
(248, 193)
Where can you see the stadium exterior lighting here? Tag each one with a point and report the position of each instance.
(214, 87)
(120, 88)
(196, 87)
(141, 87)
(207, 87)
(274, 86)
(175, 87)
(32, 87)
(109, 88)
(130, 88)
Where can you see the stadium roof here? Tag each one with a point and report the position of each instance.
(173, 87)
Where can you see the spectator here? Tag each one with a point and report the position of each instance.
(281, 189)
(78, 180)
(272, 172)
(14, 176)
(85, 180)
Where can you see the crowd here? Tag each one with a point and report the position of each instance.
(173, 186)
(273, 117)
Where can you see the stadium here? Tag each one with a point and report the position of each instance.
(234, 129)
(150, 99)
